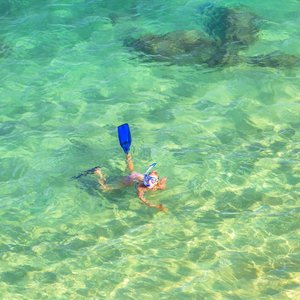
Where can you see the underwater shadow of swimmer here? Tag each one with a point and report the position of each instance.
(90, 186)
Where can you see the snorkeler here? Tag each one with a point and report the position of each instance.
(149, 181)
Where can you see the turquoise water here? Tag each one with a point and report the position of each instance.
(227, 138)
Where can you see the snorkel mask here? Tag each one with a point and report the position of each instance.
(150, 180)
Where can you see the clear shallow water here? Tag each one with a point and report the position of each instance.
(226, 138)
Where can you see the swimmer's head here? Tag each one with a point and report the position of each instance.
(151, 178)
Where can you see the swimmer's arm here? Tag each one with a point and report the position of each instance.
(162, 183)
(140, 193)
(129, 163)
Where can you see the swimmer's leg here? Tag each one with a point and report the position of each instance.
(101, 180)
(129, 163)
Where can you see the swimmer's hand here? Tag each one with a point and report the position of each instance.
(162, 183)
(162, 208)
(140, 192)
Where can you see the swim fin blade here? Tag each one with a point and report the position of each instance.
(124, 137)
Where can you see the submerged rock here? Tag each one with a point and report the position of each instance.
(182, 47)
(230, 26)
(227, 31)
(274, 60)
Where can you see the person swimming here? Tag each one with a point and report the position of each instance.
(149, 181)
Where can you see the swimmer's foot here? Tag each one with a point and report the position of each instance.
(101, 180)
(98, 172)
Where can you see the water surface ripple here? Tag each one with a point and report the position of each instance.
(227, 138)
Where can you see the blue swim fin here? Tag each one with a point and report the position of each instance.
(124, 137)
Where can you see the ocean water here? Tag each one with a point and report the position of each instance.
(227, 138)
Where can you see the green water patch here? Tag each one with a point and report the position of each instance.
(225, 137)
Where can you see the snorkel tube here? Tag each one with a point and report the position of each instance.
(149, 180)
